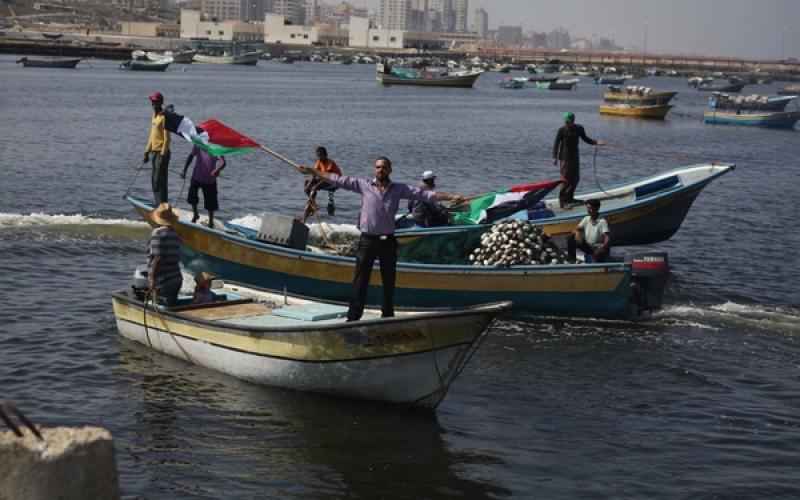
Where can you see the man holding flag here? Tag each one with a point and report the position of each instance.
(380, 199)
(158, 145)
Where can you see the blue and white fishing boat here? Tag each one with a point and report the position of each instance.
(589, 290)
(768, 119)
(297, 343)
(513, 83)
(753, 102)
(609, 80)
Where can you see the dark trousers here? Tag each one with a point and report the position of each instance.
(159, 178)
(168, 295)
(572, 247)
(369, 248)
(570, 175)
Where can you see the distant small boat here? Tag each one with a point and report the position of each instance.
(297, 343)
(657, 111)
(181, 57)
(779, 119)
(609, 80)
(637, 95)
(246, 58)
(753, 102)
(513, 83)
(557, 84)
(406, 76)
(543, 78)
(160, 65)
(731, 87)
(550, 66)
(49, 62)
(500, 68)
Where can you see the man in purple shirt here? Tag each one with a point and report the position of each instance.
(204, 176)
(380, 199)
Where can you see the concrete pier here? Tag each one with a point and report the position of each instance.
(69, 463)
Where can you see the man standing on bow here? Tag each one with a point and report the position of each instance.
(380, 199)
(567, 156)
(158, 146)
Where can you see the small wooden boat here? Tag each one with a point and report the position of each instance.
(49, 62)
(180, 57)
(306, 345)
(656, 111)
(609, 80)
(593, 290)
(731, 87)
(544, 78)
(513, 83)
(752, 102)
(500, 68)
(133, 65)
(407, 76)
(769, 119)
(637, 95)
(557, 84)
(245, 59)
(790, 90)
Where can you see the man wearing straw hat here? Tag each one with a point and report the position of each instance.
(164, 276)
(380, 199)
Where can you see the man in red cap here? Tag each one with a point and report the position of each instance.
(158, 145)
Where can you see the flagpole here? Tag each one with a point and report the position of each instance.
(280, 157)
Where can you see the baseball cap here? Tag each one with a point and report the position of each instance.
(156, 96)
(569, 116)
(427, 175)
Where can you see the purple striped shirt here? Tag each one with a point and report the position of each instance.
(378, 209)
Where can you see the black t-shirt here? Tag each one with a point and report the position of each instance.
(566, 145)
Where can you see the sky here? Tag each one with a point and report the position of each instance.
(752, 29)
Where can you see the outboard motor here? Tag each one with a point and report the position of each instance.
(140, 285)
(649, 271)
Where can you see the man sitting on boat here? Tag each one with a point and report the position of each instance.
(202, 290)
(164, 275)
(312, 186)
(380, 199)
(428, 213)
(591, 236)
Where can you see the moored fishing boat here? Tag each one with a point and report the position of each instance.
(49, 62)
(731, 87)
(656, 111)
(407, 76)
(755, 102)
(513, 83)
(768, 119)
(297, 343)
(594, 290)
(567, 84)
(644, 211)
(244, 59)
(637, 95)
(136, 65)
(179, 57)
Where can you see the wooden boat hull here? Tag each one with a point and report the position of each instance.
(656, 112)
(144, 66)
(596, 290)
(785, 119)
(247, 59)
(652, 211)
(410, 359)
(655, 99)
(464, 81)
(49, 63)
(177, 57)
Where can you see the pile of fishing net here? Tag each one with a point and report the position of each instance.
(516, 242)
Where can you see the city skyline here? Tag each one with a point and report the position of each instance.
(734, 28)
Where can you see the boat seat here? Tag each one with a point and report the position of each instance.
(656, 186)
(311, 312)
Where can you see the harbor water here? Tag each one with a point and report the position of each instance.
(698, 401)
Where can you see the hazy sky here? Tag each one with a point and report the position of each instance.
(739, 28)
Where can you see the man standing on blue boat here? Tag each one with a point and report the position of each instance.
(158, 146)
(567, 156)
(380, 199)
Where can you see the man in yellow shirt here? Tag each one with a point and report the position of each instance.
(158, 145)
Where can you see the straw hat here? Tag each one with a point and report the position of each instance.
(164, 214)
(204, 278)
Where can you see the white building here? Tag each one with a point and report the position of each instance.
(395, 14)
(482, 23)
(192, 26)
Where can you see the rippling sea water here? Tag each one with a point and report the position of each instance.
(698, 402)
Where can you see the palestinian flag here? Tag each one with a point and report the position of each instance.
(211, 136)
(492, 207)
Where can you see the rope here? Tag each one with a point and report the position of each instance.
(594, 164)
(166, 327)
(662, 155)
(130, 186)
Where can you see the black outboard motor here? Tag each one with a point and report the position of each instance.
(140, 285)
(650, 271)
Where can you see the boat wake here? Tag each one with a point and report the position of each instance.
(783, 320)
(72, 224)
